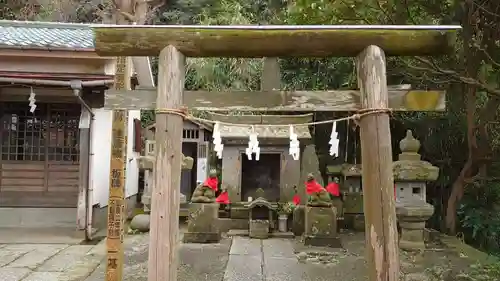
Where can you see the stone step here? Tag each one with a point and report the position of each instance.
(225, 224)
(244, 233)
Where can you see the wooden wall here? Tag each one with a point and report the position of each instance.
(38, 184)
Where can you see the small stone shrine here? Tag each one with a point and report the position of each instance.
(261, 221)
(276, 172)
(203, 226)
(320, 219)
(410, 176)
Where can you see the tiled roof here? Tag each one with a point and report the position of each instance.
(43, 35)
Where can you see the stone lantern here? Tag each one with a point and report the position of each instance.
(352, 190)
(410, 176)
(140, 222)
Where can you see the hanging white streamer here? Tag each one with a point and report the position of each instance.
(334, 141)
(253, 146)
(32, 101)
(217, 141)
(294, 149)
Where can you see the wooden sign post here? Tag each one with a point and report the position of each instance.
(366, 42)
(116, 203)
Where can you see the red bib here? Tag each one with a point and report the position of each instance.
(333, 188)
(223, 198)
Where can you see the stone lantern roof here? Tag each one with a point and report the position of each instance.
(410, 166)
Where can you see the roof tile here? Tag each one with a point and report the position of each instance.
(46, 35)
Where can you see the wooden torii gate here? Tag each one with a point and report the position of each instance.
(370, 44)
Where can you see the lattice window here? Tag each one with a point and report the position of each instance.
(203, 150)
(190, 134)
(51, 132)
(150, 147)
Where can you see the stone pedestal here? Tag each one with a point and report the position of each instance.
(411, 218)
(203, 223)
(321, 227)
(259, 229)
(298, 224)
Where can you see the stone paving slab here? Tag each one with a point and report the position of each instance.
(246, 246)
(278, 248)
(83, 268)
(43, 276)
(37, 256)
(282, 269)
(243, 268)
(200, 262)
(13, 274)
(10, 253)
(65, 259)
(245, 260)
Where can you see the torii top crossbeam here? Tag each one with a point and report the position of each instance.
(273, 40)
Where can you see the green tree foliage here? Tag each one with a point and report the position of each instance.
(470, 76)
(463, 141)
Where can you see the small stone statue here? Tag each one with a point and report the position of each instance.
(205, 192)
(317, 195)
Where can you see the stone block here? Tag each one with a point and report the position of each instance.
(321, 226)
(431, 235)
(240, 213)
(358, 222)
(226, 224)
(353, 203)
(412, 235)
(259, 229)
(298, 224)
(339, 205)
(332, 242)
(203, 224)
(201, 237)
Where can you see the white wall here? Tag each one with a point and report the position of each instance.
(101, 146)
(132, 183)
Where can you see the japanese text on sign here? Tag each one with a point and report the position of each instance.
(116, 178)
(115, 223)
(118, 143)
(112, 263)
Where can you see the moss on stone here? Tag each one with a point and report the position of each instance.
(405, 170)
(280, 42)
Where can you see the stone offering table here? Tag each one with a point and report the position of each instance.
(410, 176)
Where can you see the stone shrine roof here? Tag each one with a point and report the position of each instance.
(260, 202)
(259, 122)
